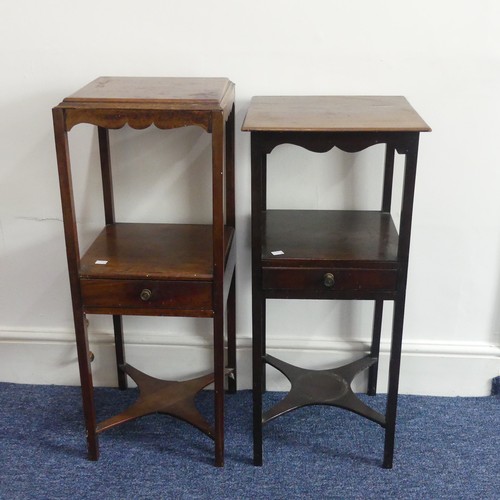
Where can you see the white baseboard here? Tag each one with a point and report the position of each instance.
(428, 368)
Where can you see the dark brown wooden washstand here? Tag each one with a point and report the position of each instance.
(154, 269)
(331, 254)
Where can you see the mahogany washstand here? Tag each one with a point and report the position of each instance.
(154, 269)
(331, 254)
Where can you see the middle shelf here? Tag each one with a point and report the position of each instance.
(152, 269)
(328, 254)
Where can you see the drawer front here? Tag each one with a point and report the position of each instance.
(325, 280)
(145, 294)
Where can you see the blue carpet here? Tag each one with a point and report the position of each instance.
(495, 386)
(445, 448)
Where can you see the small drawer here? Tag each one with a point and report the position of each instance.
(324, 280)
(145, 294)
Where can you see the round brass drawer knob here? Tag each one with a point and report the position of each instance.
(146, 294)
(328, 280)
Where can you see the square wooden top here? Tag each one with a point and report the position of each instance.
(333, 114)
(159, 91)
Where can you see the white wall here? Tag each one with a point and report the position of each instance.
(443, 56)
